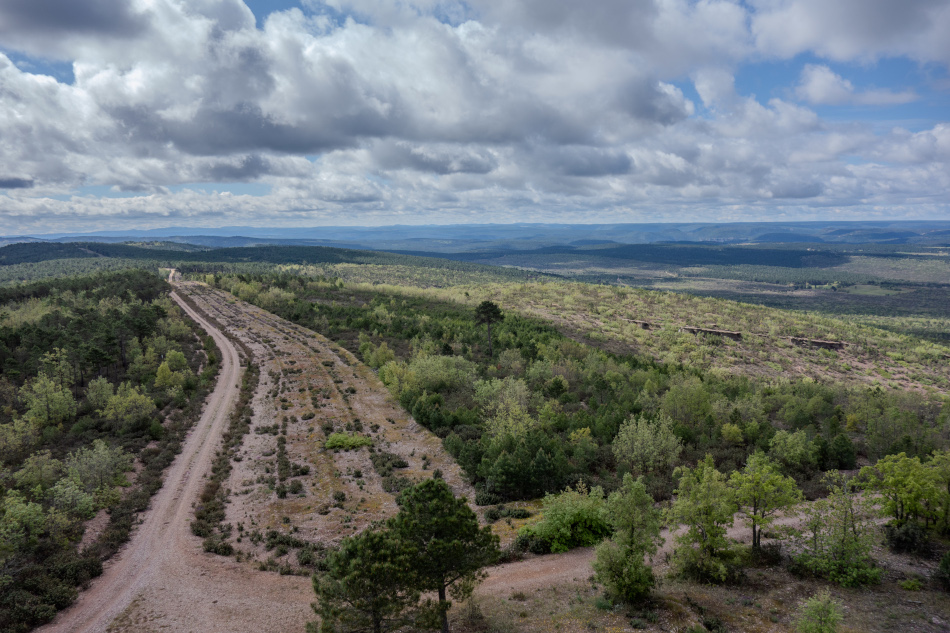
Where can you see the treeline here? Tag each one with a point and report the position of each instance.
(545, 411)
(98, 373)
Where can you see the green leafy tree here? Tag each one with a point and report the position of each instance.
(368, 585)
(22, 523)
(17, 437)
(98, 393)
(620, 564)
(794, 451)
(940, 463)
(68, 496)
(646, 446)
(128, 407)
(98, 466)
(761, 491)
(48, 403)
(39, 471)
(176, 360)
(838, 533)
(449, 550)
(705, 504)
(167, 379)
(907, 486)
(487, 312)
(57, 366)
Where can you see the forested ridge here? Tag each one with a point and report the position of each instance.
(101, 377)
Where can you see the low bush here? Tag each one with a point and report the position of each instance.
(346, 442)
(484, 498)
(501, 512)
(942, 575)
(909, 538)
(384, 463)
(394, 484)
(573, 518)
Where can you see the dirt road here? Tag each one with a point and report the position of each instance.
(162, 572)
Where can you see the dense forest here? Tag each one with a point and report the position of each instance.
(101, 377)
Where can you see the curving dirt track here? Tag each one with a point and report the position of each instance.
(170, 583)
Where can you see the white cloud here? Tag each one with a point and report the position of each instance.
(447, 110)
(847, 30)
(820, 85)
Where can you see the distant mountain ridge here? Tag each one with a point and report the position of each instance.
(462, 238)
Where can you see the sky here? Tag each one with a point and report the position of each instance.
(130, 114)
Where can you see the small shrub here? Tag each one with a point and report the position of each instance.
(501, 512)
(574, 518)
(213, 545)
(394, 484)
(511, 554)
(942, 575)
(909, 538)
(819, 614)
(911, 584)
(483, 498)
(528, 541)
(384, 463)
(201, 528)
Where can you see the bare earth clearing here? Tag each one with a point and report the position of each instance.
(312, 387)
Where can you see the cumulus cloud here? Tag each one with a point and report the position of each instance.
(449, 109)
(846, 30)
(820, 85)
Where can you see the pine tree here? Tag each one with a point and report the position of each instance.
(368, 585)
(488, 312)
(761, 491)
(449, 550)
